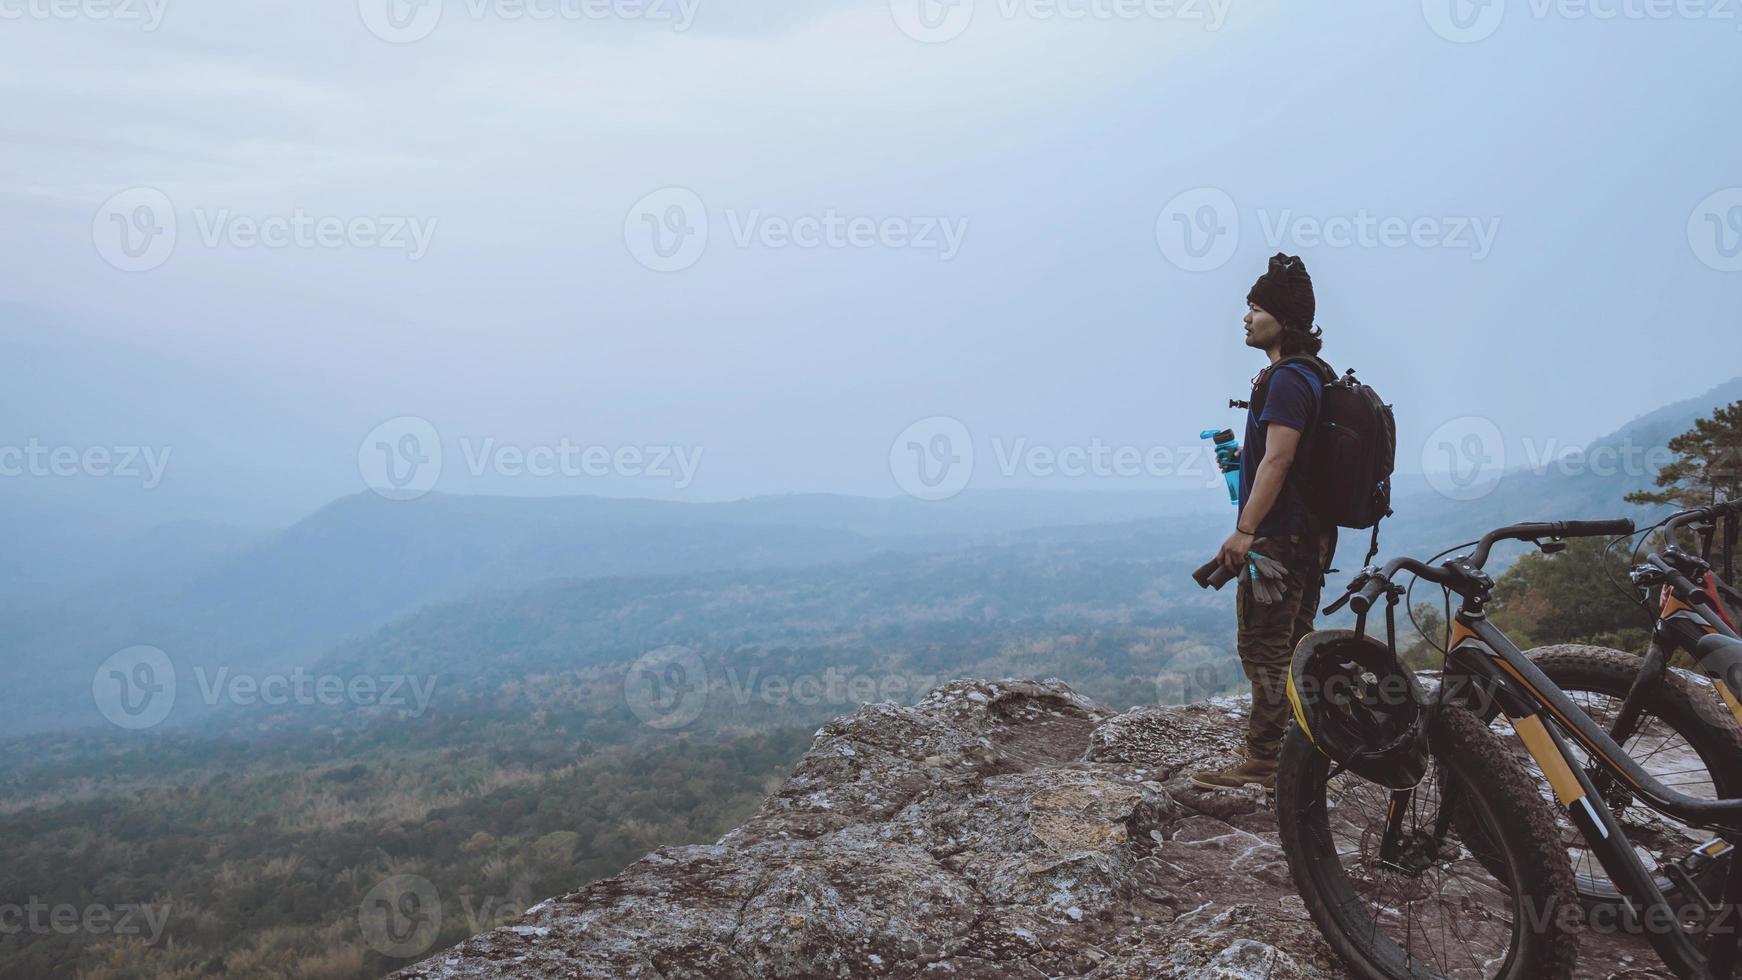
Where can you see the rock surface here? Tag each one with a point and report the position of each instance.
(994, 830)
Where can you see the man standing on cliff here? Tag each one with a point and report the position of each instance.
(1274, 522)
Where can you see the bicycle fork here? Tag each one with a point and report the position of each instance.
(1644, 684)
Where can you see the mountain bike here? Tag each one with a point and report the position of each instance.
(1464, 875)
(1678, 732)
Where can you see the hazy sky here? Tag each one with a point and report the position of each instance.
(572, 224)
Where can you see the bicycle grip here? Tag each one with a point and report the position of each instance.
(1363, 600)
(1213, 575)
(1595, 529)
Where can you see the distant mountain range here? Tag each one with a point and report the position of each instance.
(1589, 486)
(214, 597)
(256, 601)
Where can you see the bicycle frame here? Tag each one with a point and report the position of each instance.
(1481, 655)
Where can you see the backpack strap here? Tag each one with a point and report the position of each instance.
(1326, 373)
(1261, 394)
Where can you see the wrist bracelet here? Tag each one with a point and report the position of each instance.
(1250, 534)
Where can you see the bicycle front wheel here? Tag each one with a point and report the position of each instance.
(1434, 911)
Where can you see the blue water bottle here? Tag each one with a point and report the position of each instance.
(1226, 456)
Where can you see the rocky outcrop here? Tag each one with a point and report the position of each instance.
(994, 830)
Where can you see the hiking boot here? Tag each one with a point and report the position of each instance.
(1246, 772)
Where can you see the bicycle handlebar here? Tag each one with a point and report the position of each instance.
(1378, 582)
(1552, 529)
(1712, 512)
(1372, 583)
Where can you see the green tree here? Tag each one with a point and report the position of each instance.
(1571, 597)
(1708, 463)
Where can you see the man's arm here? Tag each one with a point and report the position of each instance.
(1280, 445)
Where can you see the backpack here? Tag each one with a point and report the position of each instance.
(1345, 479)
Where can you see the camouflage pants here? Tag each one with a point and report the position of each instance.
(1268, 635)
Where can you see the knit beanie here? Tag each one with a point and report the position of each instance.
(1285, 292)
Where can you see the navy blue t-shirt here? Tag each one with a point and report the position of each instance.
(1293, 401)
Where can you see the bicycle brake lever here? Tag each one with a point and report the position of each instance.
(1361, 579)
(1645, 576)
